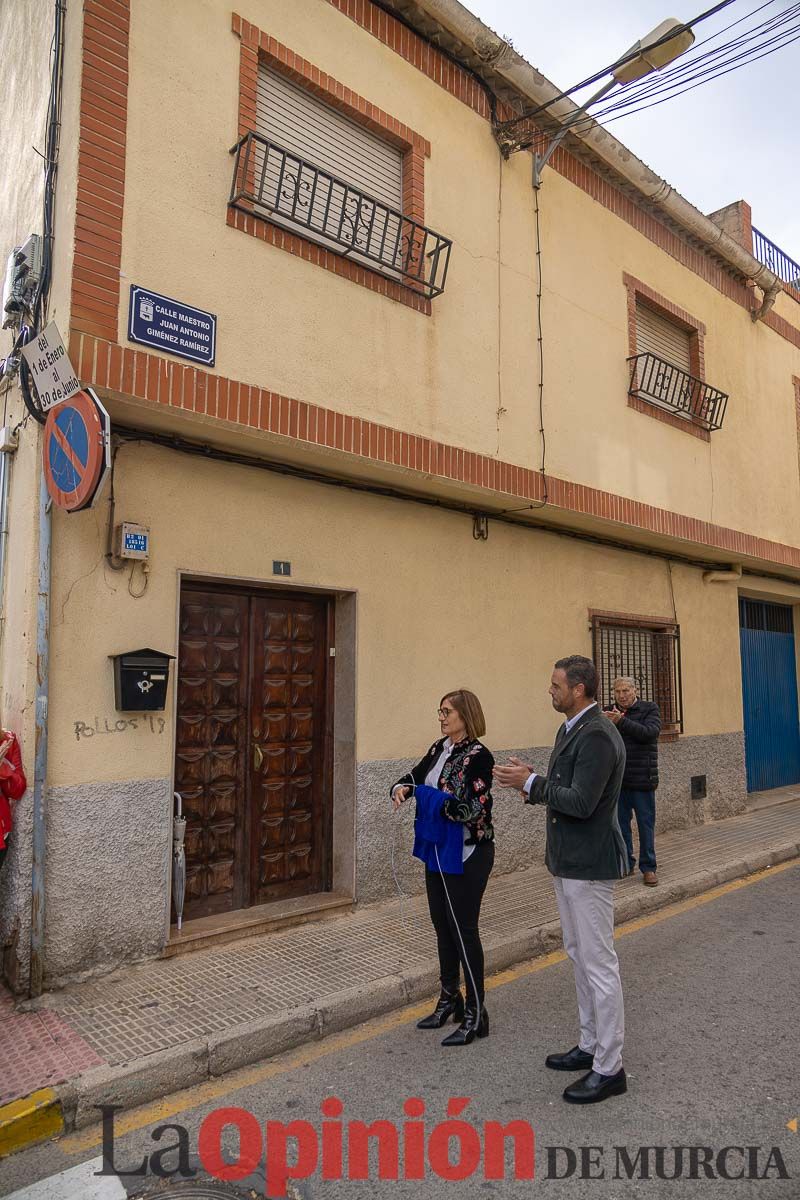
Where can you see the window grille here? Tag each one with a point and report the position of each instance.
(648, 654)
(310, 169)
(758, 614)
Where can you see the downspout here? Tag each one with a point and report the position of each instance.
(8, 444)
(534, 86)
(37, 967)
(40, 742)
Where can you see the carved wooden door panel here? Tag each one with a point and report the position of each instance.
(288, 728)
(211, 756)
(252, 747)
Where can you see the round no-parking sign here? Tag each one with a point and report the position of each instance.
(76, 450)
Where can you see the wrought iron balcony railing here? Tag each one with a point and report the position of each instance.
(661, 383)
(773, 257)
(279, 185)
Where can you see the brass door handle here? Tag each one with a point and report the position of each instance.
(258, 756)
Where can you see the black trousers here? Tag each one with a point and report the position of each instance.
(466, 892)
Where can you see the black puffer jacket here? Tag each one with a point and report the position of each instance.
(639, 730)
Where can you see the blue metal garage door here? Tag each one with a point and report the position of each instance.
(769, 689)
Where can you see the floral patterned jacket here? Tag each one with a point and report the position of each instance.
(467, 777)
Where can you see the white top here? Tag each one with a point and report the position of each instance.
(528, 784)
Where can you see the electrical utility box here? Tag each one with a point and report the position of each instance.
(140, 680)
(132, 541)
(23, 273)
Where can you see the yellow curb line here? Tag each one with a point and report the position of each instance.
(201, 1093)
(32, 1119)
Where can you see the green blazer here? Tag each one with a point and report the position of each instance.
(581, 790)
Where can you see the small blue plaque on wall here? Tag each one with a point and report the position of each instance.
(172, 326)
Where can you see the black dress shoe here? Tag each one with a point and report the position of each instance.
(574, 1060)
(594, 1087)
(449, 1004)
(471, 1027)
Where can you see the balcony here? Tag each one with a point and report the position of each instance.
(276, 184)
(773, 257)
(669, 387)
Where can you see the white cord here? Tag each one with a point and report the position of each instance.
(458, 931)
(400, 892)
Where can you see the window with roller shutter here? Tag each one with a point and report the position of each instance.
(671, 344)
(656, 334)
(323, 172)
(666, 359)
(301, 123)
(318, 161)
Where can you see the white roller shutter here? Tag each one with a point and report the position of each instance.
(658, 335)
(296, 120)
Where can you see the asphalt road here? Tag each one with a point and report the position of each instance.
(712, 1053)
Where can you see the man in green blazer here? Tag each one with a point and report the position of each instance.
(585, 854)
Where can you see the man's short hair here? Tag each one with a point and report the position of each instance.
(631, 682)
(580, 669)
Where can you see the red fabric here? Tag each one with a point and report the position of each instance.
(12, 785)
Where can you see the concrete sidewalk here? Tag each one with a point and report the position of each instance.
(152, 1029)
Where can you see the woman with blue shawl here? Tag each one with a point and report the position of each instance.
(455, 839)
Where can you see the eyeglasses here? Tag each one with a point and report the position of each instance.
(444, 713)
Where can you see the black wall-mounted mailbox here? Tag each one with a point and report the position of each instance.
(140, 680)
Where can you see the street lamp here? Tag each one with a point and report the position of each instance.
(660, 47)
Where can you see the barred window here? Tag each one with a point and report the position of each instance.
(648, 653)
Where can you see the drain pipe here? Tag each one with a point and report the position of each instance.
(504, 61)
(8, 444)
(733, 575)
(40, 742)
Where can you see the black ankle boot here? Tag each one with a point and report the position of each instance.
(471, 1027)
(449, 1004)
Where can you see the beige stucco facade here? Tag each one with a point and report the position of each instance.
(420, 604)
(292, 319)
(537, 588)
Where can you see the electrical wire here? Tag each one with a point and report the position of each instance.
(782, 29)
(110, 558)
(718, 61)
(211, 453)
(540, 354)
(708, 78)
(52, 145)
(39, 304)
(689, 61)
(626, 58)
(540, 343)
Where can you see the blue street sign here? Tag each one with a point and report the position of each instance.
(172, 326)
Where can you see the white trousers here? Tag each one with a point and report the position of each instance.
(586, 909)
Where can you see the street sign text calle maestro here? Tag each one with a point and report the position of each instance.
(170, 325)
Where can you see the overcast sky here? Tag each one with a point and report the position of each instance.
(731, 139)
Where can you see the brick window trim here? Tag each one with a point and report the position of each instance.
(669, 733)
(638, 290)
(258, 47)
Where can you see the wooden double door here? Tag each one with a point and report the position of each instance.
(253, 746)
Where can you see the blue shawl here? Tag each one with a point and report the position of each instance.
(434, 832)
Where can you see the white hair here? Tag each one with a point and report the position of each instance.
(626, 679)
